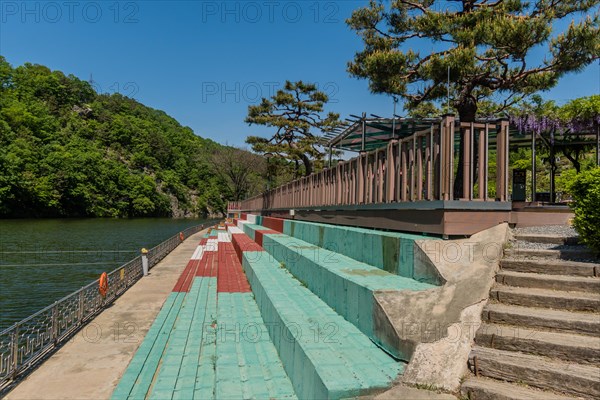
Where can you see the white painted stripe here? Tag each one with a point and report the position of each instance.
(224, 237)
(251, 218)
(241, 224)
(212, 245)
(234, 230)
(198, 253)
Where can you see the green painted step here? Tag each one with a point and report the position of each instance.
(251, 228)
(176, 358)
(391, 251)
(247, 365)
(345, 284)
(324, 355)
(187, 367)
(137, 379)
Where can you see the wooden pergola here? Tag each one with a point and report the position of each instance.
(404, 175)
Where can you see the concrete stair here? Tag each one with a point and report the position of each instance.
(540, 336)
(533, 317)
(544, 373)
(545, 238)
(552, 282)
(546, 298)
(554, 267)
(491, 389)
(573, 252)
(570, 347)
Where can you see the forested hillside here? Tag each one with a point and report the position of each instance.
(66, 150)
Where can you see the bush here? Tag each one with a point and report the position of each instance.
(585, 189)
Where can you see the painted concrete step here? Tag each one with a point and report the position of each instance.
(247, 364)
(346, 285)
(546, 281)
(553, 254)
(546, 298)
(564, 346)
(137, 379)
(391, 251)
(532, 317)
(553, 267)
(324, 355)
(548, 374)
(185, 370)
(541, 238)
(480, 388)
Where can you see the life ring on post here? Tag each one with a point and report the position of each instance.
(103, 284)
(181, 237)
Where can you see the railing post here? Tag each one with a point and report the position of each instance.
(502, 160)
(144, 262)
(447, 161)
(55, 323)
(80, 307)
(14, 352)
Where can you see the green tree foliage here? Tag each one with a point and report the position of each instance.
(586, 193)
(67, 151)
(296, 114)
(485, 44)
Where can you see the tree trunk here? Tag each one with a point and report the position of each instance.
(467, 110)
(307, 165)
(574, 158)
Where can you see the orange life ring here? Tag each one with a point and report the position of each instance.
(103, 284)
(181, 237)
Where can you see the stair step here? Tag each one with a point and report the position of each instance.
(346, 285)
(564, 321)
(247, 364)
(541, 238)
(546, 281)
(553, 254)
(546, 298)
(547, 374)
(324, 355)
(557, 267)
(564, 346)
(479, 388)
(390, 251)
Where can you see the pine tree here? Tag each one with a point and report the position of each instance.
(296, 112)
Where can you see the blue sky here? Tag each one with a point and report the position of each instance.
(204, 62)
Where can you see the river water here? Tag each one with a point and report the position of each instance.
(43, 260)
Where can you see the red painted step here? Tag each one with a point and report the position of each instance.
(258, 236)
(274, 223)
(208, 265)
(230, 276)
(185, 279)
(241, 242)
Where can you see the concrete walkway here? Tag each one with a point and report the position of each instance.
(91, 364)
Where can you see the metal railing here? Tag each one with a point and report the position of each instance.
(27, 342)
